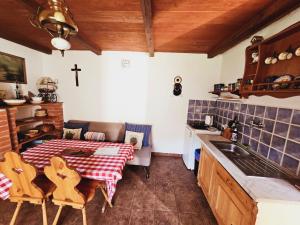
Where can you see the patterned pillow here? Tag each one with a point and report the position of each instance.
(141, 128)
(135, 139)
(76, 125)
(94, 136)
(72, 134)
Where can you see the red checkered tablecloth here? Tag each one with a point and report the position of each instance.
(5, 184)
(97, 167)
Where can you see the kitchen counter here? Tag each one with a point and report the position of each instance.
(260, 189)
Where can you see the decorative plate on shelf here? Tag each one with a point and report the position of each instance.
(282, 79)
(14, 101)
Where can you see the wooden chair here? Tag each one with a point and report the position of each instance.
(70, 189)
(27, 186)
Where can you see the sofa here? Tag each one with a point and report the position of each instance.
(115, 132)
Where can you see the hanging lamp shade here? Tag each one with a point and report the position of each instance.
(56, 19)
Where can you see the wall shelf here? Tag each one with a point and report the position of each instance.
(257, 74)
(55, 117)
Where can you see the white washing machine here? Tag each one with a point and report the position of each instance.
(192, 142)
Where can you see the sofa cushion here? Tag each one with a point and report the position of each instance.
(72, 134)
(114, 132)
(141, 157)
(140, 128)
(134, 138)
(83, 125)
(94, 136)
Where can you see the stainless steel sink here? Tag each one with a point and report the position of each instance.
(230, 148)
(250, 162)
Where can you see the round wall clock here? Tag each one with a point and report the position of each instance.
(177, 86)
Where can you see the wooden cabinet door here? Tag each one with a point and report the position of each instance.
(205, 171)
(229, 208)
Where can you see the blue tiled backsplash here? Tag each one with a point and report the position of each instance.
(279, 140)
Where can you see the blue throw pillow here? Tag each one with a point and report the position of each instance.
(146, 129)
(83, 126)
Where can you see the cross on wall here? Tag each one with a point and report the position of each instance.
(76, 69)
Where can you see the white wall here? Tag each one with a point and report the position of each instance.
(234, 61)
(141, 93)
(33, 63)
(168, 113)
(106, 92)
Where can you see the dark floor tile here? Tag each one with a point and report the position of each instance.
(188, 203)
(124, 198)
(115, 217)
(195, 219)
(141, 217)
(165, 201)
(166, 218)
(144, 200)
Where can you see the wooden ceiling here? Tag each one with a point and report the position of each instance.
(192, 26)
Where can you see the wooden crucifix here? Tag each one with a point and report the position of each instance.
(76, 69)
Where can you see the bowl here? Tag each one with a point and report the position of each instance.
(36, 99)
(14, 101)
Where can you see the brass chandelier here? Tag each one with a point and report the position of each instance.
(57, 20)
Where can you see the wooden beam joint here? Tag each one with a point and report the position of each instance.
(147, 16)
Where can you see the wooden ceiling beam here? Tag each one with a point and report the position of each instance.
(27, 43)
(32, 6)
(147, 16)
(273, 12)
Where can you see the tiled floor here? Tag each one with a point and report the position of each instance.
(170, 197)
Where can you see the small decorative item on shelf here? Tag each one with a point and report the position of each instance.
(46, 128)
(255, 57)
(297, 52)
(40, 112)
(296, 85)
(47, 88)
(248, 85)
(218, 87)
(14, 102)
(256, 39)
(283, 56)
(281, 82)
(274, 60)
(238, 84)
(286, 54)
(32, 133)
(36, 100)
(268, 60)
(231, 87)
(271, 60)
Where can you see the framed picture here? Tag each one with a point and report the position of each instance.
(12, 69)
